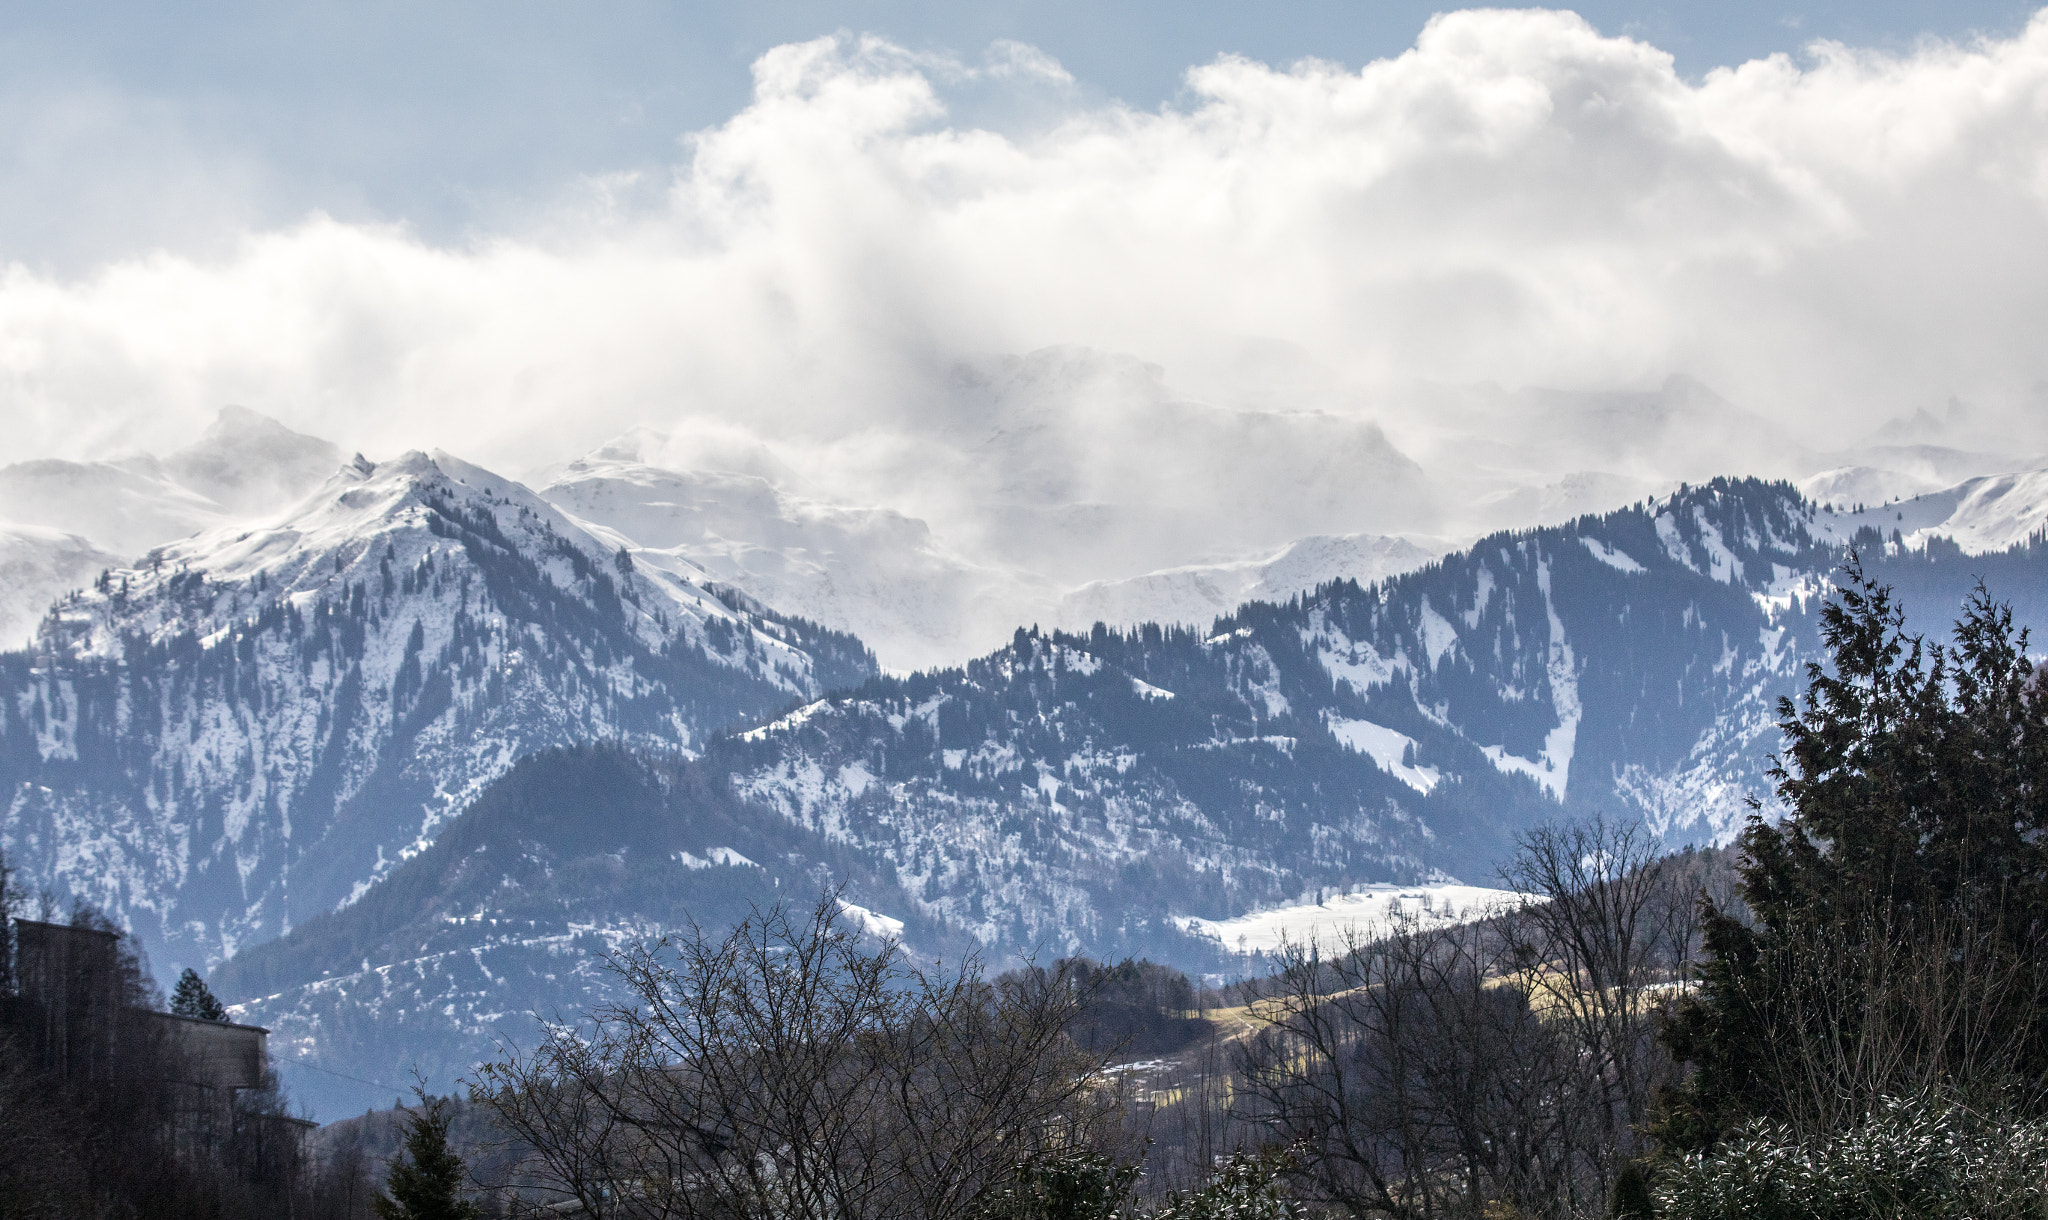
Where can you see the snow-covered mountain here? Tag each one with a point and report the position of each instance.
(1200, 593)
(53, 513)
(871, 571)
(247, 727)
(1160, 790)
(1070, 787)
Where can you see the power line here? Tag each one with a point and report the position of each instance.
(344, 1075)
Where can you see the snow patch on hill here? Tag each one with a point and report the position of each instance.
(1392, 750)
(1358, 913)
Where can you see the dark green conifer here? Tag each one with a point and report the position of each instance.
(425, 1182)
(192, 999)
(1632, 1199)
(1915, 778)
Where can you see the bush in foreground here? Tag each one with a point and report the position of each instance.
(1927, 1160)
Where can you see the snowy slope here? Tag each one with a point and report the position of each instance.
(252, 725)
(37, 566)
(871, 571)
(1200, 593)
(1980, 515)
(1843, 488)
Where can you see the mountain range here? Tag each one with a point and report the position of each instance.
(1116, 792)
(253, 725)
(393, 748)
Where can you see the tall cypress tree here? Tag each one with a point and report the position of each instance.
(425, 1183)
(1898, 912)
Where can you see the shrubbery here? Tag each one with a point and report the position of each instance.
(1919, 1159)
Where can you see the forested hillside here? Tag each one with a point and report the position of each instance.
(251, 727)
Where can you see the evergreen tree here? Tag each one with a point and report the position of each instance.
(1064, 1184)
(192, 999)
(1631, 1199)
(426, 1182)
(1898, 912)
(1245, 1186)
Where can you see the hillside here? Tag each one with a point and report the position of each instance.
(250, 727)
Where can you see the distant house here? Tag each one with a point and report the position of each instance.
(218, 1054)
(70, 1020)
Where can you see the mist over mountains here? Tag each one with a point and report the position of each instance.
(250, 726)
(394, 759)
(62, 521)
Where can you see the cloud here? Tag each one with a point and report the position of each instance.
(837, 271)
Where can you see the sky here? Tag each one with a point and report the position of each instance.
(137, 124)
(816, 231)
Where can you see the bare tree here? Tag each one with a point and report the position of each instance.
(1437, 1073)
(1601, 930)
(1414, 1082)
(794, 1070)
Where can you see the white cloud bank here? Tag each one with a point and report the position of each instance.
(1517, 201)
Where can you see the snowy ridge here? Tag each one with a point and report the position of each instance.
(288, 712)
(1981, 515)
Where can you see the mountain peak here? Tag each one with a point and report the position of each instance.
(248, 462)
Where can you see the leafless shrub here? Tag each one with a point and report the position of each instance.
(793, 1070)
(1508, 1064)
